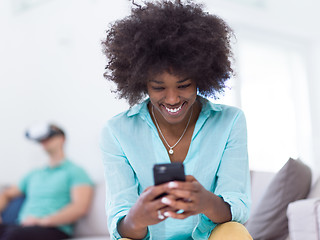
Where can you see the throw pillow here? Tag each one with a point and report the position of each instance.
(269, 220)
(10, 213)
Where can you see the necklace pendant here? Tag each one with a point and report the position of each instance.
(170, 151)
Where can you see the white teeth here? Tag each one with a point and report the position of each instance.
(174, 110)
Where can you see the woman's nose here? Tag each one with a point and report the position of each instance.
(172, 97)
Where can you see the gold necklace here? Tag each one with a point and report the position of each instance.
(158, 127)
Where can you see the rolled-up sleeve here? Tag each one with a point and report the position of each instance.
(121, 183)
(233, 177)
(232, 181)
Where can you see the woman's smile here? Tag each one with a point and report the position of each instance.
(174, 110)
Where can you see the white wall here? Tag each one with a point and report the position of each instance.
(314, 89)
(51, 69)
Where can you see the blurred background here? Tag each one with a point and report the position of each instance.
(51, 69)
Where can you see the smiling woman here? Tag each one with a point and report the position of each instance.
(171, 52)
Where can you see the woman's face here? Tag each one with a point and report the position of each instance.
(172, 96)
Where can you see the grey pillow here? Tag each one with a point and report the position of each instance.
(269, 220)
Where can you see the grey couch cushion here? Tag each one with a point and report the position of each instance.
(269, 220)
(303, 216)
(95, 223)
(315, 190)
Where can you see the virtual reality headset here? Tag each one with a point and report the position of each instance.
(43, 132)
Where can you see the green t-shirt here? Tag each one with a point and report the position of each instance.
(48, 190)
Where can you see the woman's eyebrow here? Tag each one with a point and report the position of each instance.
(156, 81)
(161, 82)
(183, 80)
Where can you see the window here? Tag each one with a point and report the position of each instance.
(271, 88)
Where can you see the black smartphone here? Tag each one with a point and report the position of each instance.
(167, 172)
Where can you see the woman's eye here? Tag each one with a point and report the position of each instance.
(184, 86)
(157, 88)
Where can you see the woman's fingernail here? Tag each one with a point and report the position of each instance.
(167, 214)
(172, 185)
(180, 211)
(165, 200)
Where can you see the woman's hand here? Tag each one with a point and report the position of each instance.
(192, 198)
(189, 197)
(146, 211)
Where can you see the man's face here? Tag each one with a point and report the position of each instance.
(53, 144)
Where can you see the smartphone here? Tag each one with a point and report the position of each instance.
(167, 172)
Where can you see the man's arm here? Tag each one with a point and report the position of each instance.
(7, 195)
(81, 197)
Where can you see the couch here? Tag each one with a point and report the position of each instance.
(285, 204)
(303, 215)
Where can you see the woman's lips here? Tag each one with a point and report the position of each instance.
(173, 111)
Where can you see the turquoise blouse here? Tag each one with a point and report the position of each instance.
(217, 158)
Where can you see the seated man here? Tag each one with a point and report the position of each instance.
(56, 195)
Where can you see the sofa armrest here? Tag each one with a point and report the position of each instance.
(303, 219)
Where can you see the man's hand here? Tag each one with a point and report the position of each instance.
(30, 221)
(35, 221)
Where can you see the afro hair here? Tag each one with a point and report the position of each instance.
(164, 35)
